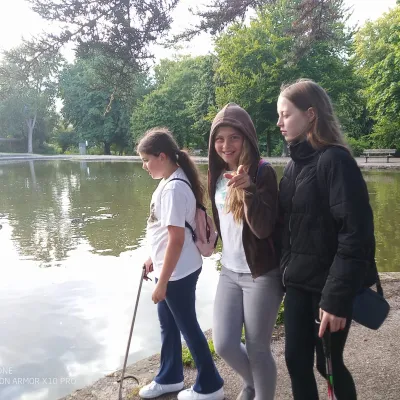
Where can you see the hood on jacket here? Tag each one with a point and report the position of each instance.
(261, 200)
(236, 117)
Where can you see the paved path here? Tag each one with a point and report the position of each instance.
(376, 163)
(372, 357)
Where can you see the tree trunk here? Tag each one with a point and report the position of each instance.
(107, 149)
(31, 126)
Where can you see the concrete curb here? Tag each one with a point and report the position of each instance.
(394, 163)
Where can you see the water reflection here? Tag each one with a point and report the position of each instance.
(64, 327)
(384, 190)
(51, 206)
(73, 322)
(88, 220)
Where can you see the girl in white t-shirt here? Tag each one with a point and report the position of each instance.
(177, 263)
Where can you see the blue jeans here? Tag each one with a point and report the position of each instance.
(177, 313)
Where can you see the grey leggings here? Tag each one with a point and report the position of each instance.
(254, 303)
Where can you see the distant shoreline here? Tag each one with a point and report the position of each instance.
(380, 164)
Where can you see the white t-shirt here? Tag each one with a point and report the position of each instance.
(233, 256)
(173, 203)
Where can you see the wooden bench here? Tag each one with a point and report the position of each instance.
(378, 153)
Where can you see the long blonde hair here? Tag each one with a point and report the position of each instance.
(235, 198)
(325, 129)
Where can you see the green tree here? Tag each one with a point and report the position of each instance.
(122, 30)
(377, 56)
(27, 95)
(99, 111)
(182, 96)
(252, 67)
(308, 27)
(255, 59)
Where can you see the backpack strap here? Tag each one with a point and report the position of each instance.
(180, 179)
(261, 163)
(186, 223)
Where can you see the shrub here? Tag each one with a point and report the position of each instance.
(66, 139)
(72, 150)
(48, 148)
(187, 356)
(95, 150)
(358, 145)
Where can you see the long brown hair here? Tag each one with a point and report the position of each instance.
(325, 129)
(160, 140)
(235, 198)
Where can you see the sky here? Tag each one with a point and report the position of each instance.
(17, 20)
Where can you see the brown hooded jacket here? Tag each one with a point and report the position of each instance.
(260, 199)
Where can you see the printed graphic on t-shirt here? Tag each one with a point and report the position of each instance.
(152, 217)
(221, 193)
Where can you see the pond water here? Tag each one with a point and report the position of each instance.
(72, 245)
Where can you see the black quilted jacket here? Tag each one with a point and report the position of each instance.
(328, 243)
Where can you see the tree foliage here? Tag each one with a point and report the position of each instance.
(124, 29)
(183, 94)
(99, 113)
(255, 59)
(27, 94)
(312, 22)
(377, 56)
(260, 44)
(120, 29)
(66, 138)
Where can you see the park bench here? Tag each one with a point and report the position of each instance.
(378, 153)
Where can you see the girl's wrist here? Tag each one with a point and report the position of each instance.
(162, 283)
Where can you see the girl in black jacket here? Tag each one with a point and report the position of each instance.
(328, 240)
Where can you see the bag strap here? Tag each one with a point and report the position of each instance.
(378, 284)
(261, 163)
(179, 179)
(186, 223)
(198, 205)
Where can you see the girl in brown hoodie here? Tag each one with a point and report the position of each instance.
(244, 197)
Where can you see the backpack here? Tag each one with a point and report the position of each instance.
(204, 236)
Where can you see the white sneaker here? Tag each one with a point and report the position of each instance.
(190, 394)
(154, 389)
